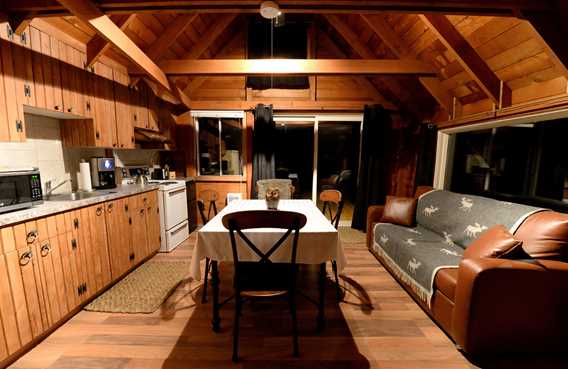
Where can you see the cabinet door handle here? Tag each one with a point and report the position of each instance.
(73, 244)
(26, 257)
(31, 236)
(130, 221)
(142, 211)
(45, 250)
(173, 193)
(99, 211)
(76, 223)
(109, 208)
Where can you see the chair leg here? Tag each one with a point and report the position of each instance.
(337, 286)
(236, 328)
(205, 280)
(292, 300)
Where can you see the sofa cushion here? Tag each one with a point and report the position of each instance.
(462, 218)
(495, 242)
(545, 235)
(415, 255)
(446, 282)
(400, 210)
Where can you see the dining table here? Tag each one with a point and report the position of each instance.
(318, 243)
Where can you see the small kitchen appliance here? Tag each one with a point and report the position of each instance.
(19, 189)
(102, 173)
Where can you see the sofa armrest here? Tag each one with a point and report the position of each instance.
(374, 215)
(511, 306)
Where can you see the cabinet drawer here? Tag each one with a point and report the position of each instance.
(177, 235)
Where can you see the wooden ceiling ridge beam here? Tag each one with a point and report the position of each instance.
(469, 59)
(167, 38)
(397, 46)
(467, 7)
(364, 82)
(87, 12)
(98, 45)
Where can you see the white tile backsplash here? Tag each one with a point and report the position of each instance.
(43, 149)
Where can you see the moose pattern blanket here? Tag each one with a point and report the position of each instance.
(447, 223)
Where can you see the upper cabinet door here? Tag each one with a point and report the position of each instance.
(124, 126)
(38, 66)
(14, 107)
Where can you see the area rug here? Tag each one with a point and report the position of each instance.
(143, 290)
(350, 235)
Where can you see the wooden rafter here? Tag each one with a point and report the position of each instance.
(167, 38)
(98, 45)
(87, 12)
(305, 67)
(469, 59)
(470, 7)
(363, 51)
(397, 46)
(198, 50)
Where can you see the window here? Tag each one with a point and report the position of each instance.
(526, 163)
(220, 145)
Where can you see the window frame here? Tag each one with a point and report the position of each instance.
(219, 115)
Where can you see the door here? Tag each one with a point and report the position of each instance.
(119, 236)
(153, 221)
(105, 114)
(138, 228)
(14, 106)
(38, 68)
(97, 225)
(338, 161)
(294, 154)
(124, 127)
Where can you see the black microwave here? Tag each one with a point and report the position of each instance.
(19, 189)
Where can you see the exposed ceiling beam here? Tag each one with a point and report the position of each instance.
(87, 12)
(397, 46)
(166, 39)
(329, 67)
(469, 7)
(363, 82)
(98, 45)
(469, 59)
(364, 52)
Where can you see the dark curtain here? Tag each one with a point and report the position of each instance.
(264, 135)
(428, 138)
(373, 183)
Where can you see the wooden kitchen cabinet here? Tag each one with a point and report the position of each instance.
(119, 236)
(13, 129)
(124, 123)
(105, 113)
(138, 227)
(139, 106)
(94, 218)
(153, 221)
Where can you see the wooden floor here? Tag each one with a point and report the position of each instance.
(378, 326)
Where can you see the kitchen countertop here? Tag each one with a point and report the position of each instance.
(54, 207)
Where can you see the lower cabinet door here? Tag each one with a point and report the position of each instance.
(10, 314)
(153, 221)
(44, 257)
(119, 237)
(139, 235)
(69, 257)
(31, 289)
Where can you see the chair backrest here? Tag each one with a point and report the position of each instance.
(284, 186)
(206, 200)
(236, 222)
(329, 198)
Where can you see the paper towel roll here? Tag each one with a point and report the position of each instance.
(85, 177)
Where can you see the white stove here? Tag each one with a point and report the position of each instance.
(174, 224)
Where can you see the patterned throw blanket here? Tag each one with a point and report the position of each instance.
(447, 223)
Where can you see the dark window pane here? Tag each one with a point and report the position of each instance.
(209, 146)
(231, 146)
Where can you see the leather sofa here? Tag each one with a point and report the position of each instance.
(492, 305)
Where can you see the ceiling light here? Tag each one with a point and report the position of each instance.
(269, 9)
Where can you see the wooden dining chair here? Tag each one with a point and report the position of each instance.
(263, 278)
(206, 199)
(333, 204)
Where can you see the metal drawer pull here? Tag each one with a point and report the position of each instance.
(173, 233)
(45, 250)
(109, 208)
(176, 192)
(99, 211)
(31, 236)
(25, 258)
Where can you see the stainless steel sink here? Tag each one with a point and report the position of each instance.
(74, 196)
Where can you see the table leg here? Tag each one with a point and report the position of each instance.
(216, 322)
(321, 302)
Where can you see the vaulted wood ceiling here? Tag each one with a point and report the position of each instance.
(479, 59)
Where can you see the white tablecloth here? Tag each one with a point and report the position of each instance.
(318, 241)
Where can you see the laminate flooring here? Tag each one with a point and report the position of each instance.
(376, 326)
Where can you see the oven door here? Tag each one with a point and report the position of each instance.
(15, 192)
(175, 207)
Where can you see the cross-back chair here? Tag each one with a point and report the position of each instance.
(206, 200)
(333, 204)
(263, 278)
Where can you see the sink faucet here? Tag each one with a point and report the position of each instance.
(49, 190)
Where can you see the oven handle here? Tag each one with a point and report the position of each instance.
(174, 232)
(172, 193)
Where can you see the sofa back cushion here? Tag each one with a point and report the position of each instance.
(495, 242)
(545, 235)
(400, 210)
(463, 218)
